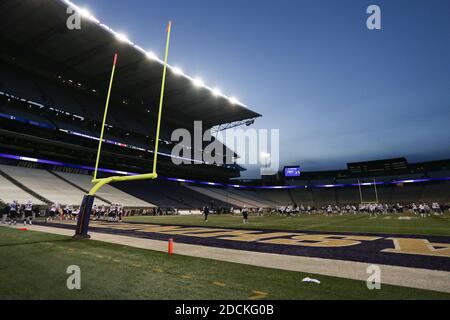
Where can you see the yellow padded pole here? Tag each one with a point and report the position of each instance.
(104, 117)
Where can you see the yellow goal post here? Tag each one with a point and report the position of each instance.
(98, 183)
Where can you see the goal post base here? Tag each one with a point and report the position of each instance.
(84, 216)
(81, 237)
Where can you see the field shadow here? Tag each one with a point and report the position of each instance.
(34, 242)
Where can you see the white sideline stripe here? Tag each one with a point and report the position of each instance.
(400, 276)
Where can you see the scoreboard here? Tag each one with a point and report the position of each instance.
(292, 171)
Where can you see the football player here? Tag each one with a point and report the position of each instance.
(28, 216)
(13, 207)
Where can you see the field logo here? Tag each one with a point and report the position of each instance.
(374, 280)
(374, 20)
(74, 20)
(252, 147)
(74, 280)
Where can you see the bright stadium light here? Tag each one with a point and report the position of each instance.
(177, 71)
(151, 55)
(122, 37)
(198, 82)
(216, 92)
(85, 13)
(233, 100)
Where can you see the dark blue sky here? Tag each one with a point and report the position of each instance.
(337, 91)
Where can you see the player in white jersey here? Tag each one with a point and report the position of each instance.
(102, 211)
(422, 210)
(74, 213)
(52, 212)
(13, 209)
(436, 208)
(28, 216)
(69, 212)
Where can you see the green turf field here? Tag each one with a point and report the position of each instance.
(33, 266)
(434, 225)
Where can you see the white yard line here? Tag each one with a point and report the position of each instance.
(400, 276)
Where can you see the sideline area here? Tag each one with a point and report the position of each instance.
(434, 280)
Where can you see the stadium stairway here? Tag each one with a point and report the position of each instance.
(14, 190)
(76, 186)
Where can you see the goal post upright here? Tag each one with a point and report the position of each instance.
(374, 183)
(88, 200)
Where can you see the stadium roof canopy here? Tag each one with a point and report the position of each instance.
(36, 31)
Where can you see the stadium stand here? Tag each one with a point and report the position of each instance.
(251, 198)
(110, 193)
(236, 198)
(302, 196)
(275, 196)
(10, 192)
(169, 195)
(439, 192)
(46, 185)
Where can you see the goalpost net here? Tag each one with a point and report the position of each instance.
(88, 200)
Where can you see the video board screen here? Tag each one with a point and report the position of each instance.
(292, 172)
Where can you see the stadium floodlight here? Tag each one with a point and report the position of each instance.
(151, 55)
(87, 14)
(198, 82)
(122, 37)
(233, 100)
(177, 71)
(216, 92)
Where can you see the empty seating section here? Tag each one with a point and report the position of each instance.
(10, 110)
(324, 196)
(46, 185)
(107, 192)
(439, 192)
(385, 194)
(276, 196)
(348, 196)
(235, 197)
(16, 83)
(199, 200)
(302, 196)
(251, 197)
(10, 192)
(219, 196)
(169, 195)
(408, 194)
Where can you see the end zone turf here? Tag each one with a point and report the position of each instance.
(33, 266)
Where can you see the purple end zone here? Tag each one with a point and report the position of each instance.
(366, 251)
